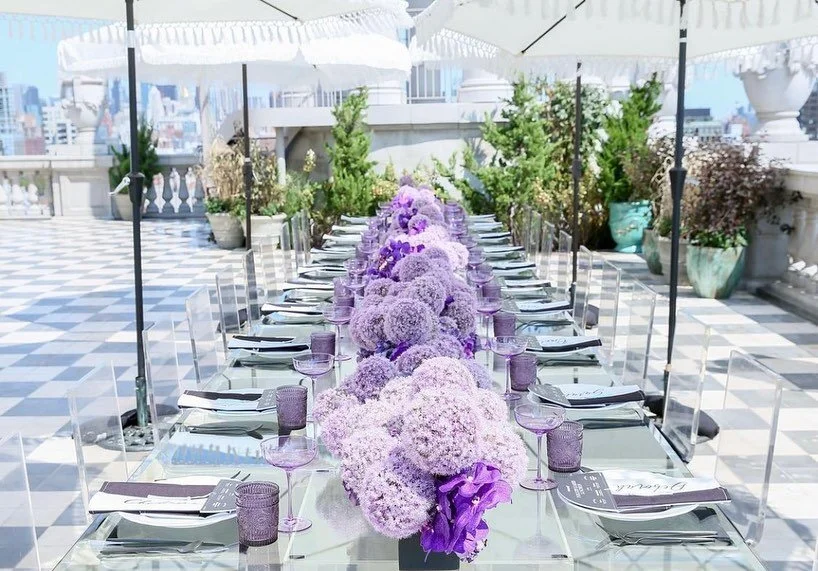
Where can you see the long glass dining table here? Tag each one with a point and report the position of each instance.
(537, 530)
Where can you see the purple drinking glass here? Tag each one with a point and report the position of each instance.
(564, 447)
(291, 407)
(539, 419)
(523, 371)
(322, 342)
(339, 287)
(257, 513)
(345, 300)
(338, 315)
(508, 347)
(476, 257)
(289, 453)
(479, 277)
(505, 323)
(492, 289)
(486, 307)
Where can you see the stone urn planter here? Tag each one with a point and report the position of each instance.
(124, 207)
(650, 251)
(715, 273)
(227, 230)
(664, 259)
(628, 221)
(267, 226)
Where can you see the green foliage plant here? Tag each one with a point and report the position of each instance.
(148, 159)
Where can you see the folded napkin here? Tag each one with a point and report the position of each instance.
(354, 219)
(349, 228)
(157, 497)
(336, 270)
(262, 338)
(291, 348)
(343, 238)
(526, 282)
(555, 344)
(512, 265)
(306, 284)
(543, 306)
(248, 400)
(577, 360)
(147, 489)
(501, 249)
(266, 346)
(305, 308)
(580, 395)
(493, 235)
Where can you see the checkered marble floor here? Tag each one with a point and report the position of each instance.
(66, 305)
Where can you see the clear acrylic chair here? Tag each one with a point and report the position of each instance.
(254, 292)
(547, 236)
(287, 258)
(96, 422)
(564, 262)
(304, 236)
(640, 305)
(227, 297)
(18, 542)
(207, 351)
(680, 421)
(585, 266)
(532, 244)
(744, 457)
(612, 327)
(162, 375)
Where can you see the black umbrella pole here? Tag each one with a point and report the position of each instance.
(576, 172)
(248, 164)
(677, 183)
(136, 187)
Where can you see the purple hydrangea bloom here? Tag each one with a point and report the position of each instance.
(383, 413)
(369, 378)
(432, 212)
(458, 525)
(481, 375)
(397, 288)
(447, 345)
(440, 257)
(448, 326)
(413, 267)
(369, 301)
(502, 447)
(379, 286)
(406, 180)
(426, 290)
(414, 356)
(408, 321)
(444, 372)
(463, 296)
(367, 327)
(441, 431)
(494, 408)
(417, 224)
(396, 497)
(338, 426)
(361, 450)
(331, 400)
(398, 391)
(463, 315)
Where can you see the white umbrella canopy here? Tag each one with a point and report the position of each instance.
(616, 37)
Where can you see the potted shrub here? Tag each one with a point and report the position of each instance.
(223, 200)
(736, 187)
(625, 187)
(148, 165)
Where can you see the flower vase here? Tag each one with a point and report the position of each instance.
(412, 557)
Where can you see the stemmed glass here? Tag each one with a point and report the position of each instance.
(508, 347)
(539, 419)
(338, 315)
(476, 257)
(486, 307)
(479, 277)
(356, 268)
(289, 453)
(313, 365)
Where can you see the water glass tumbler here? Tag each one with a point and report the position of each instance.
(345, 300)
(565, 447)
(291, 407)
(322, 342)
(257, 513)
(492, 289)
(523, 371)
(505, 324)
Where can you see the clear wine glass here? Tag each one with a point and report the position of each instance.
(313, 365)
(338, 315)
(487, 306)
(508, 347)
(480, 276)
(289, 453)
(476, 257)
(539, 419)
(355, 267)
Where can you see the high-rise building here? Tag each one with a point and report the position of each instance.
(809, 115)
(57, 128)
(699, 123)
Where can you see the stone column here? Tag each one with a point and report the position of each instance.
(83, 99)
(777, 97)
(387, 93)
(482, 87)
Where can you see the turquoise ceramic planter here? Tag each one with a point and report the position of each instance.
(627, 221)
(650, 251)
(714, 273)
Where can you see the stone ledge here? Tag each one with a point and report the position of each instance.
(792, 299)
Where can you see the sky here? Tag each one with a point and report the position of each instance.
(35, 63)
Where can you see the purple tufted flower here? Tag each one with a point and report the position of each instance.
(431, 211)
(378, 287)
(369, 301)
(444, 373)
(441, 431)
(414, 266)
(414, 356)
(363, 449)
(462, 500)
(408, 321)
(502, 447)
(398, 391)
(397, 288)
(417, 224)
(463, 315)
(440, 257)
(481, 375)
(396, 497)
(331, 400)
(338, 426)
(447, 345)
(369, 378)
(367, 327)
(428, 290)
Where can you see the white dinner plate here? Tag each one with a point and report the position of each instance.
(642, 516)
(294, 318)
(181, 521)
(606, 407)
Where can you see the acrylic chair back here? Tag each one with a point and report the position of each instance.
(20, 549)
(163, 376)
(206, 349)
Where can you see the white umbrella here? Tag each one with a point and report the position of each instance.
(297, 20)
(610, 37)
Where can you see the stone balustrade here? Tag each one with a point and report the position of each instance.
(25, 188)
(177, 191)
(803, 253)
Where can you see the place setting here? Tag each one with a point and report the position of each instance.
(250, 350)
(586, 396)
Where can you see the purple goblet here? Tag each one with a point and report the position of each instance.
(486, 307)
(313, 365)
(479, 277)
(338, 315)
(476, 257)
(539, 419)
(505, 323)
(508, 347)
(291, 407)
(289, 453)
(492, 289)
(564, 447)
(322, 342)
(523, 371)
(257, 513)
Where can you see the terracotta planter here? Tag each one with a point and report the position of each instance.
(715, 272)
(628, 221)
(650, 251)
(227, 230)
(124, 207)
(664, 258)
